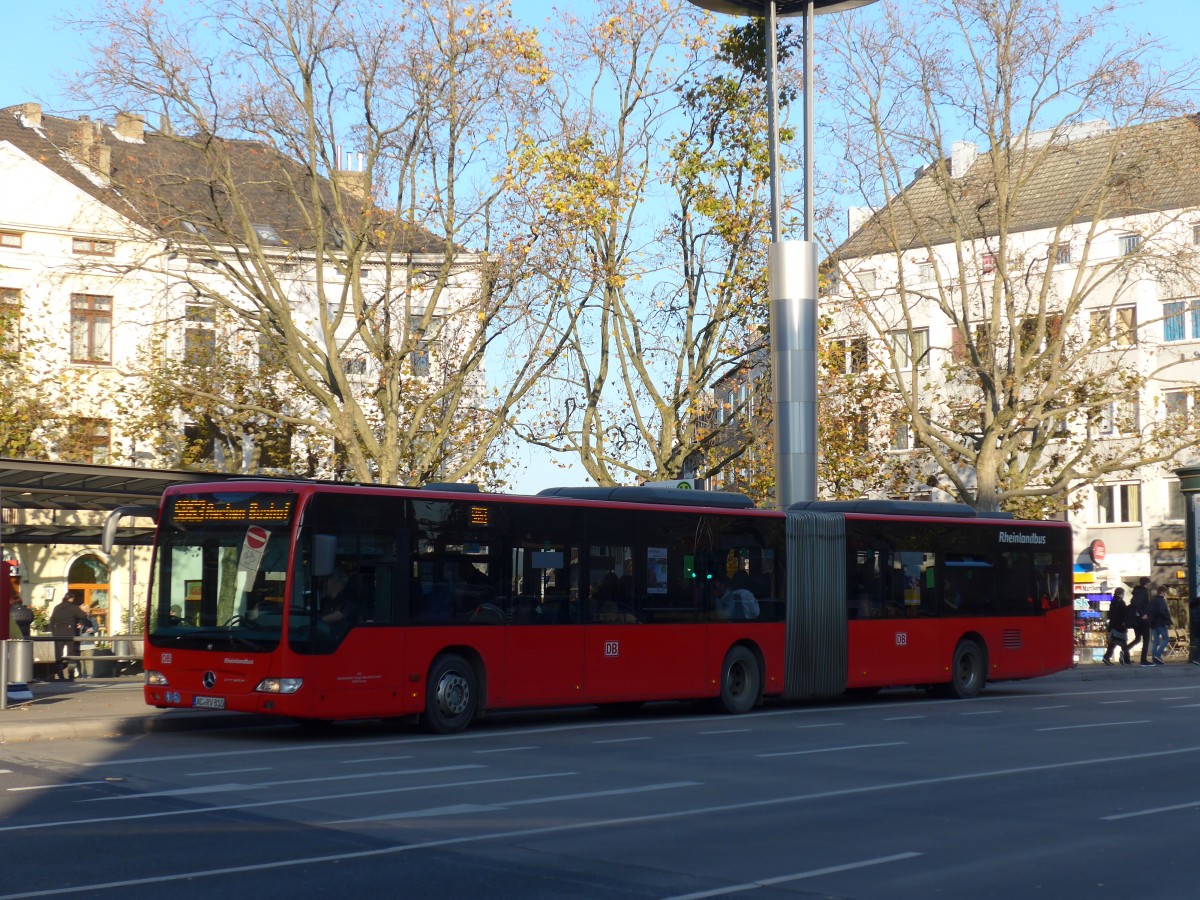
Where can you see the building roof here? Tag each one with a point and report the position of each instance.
(163, 181)
(1077, 177)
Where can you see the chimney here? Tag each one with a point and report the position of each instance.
(354, 183)
(856, 216)
(101, 159)
(31, 115)
(131, 127)
(962, 155)
(82, 137)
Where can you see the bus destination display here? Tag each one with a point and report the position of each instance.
(245, 508)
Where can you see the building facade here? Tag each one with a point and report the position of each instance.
(124, 257)
(1036, 309)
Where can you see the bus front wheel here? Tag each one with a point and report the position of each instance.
(451, 695)
(740, 680)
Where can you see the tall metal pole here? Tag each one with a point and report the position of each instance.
(791, 271)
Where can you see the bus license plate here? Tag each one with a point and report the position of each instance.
(208, 702)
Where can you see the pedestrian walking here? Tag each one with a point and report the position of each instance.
(67, 619)
(1139, 619)
(1160, 622)
(1117, 624)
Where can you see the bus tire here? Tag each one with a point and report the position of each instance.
(740, 681)
(451, 695)
(968, 671)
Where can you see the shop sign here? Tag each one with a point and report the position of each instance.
(1097, 551)
(1085, 577)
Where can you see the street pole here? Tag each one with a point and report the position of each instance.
(791, 266)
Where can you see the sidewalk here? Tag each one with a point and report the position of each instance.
(108, 707)
(100, 708)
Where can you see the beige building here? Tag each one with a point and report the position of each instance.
(1064, 270)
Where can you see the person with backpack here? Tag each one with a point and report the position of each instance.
(1117, 616)
(1139, 619)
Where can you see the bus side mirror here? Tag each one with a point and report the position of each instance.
(324, 554)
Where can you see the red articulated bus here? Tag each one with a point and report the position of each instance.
(330, 601)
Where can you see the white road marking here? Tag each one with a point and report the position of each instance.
(1096, 725)
(1059, 706)
(727, 731)
(1113, 702)
(980, 712)
(265, 784)
(904, 718)
(833, 749)
(822, 725)
(506, 749)
(1150, 812)
(351, 762)
(621, 740)
(1186, 706)
(227, 772)
(783, 879)
(529, 801)
(51, 787)
(279, 802)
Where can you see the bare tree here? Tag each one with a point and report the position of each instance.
(1024, 253)
(327, 175)
(658, 170)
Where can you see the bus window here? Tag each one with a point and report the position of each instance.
(968, 584)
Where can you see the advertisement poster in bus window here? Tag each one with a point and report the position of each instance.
(656, 570)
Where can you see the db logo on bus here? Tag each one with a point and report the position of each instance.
(612, 648)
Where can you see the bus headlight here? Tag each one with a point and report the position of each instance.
(279, 685)
(156, 678)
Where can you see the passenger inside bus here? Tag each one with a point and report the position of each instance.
(339, 611)
(738, 604)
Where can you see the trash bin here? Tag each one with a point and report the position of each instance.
(102, 667)
(20, 661)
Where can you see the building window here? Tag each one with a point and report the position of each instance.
(988, 263)
(1196, 234)
(925, 272)
(93, 247)
(88, 440)
(902, 438)
(10, 319)
(11, 239)
(910, 346)
(1181, 320)
(91, 328)
(1062, 253)
(1130, 244)
(849, 355)
(866, 280)
(199, 337)
(1176, 502)
(426, 339)
(1125, 326)
(1118, 504)
(1029, 330)
(1119, 417)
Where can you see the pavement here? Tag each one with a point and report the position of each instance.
(101, 708)
(111, 707)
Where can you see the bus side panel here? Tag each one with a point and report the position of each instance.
(362, 678)
(1060, 640)
(644, 662)
(545, 665)
(898, 652)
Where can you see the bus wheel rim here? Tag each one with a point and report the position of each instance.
(453, 694)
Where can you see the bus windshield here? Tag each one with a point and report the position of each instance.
(220, 571)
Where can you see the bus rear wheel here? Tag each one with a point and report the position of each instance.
(740, 681)
(968, 672)
(451, 695)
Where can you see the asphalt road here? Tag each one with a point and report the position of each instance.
(1048, 788)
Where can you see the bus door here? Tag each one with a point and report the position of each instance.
(545, 633)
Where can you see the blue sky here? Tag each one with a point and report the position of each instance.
(39, 51)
